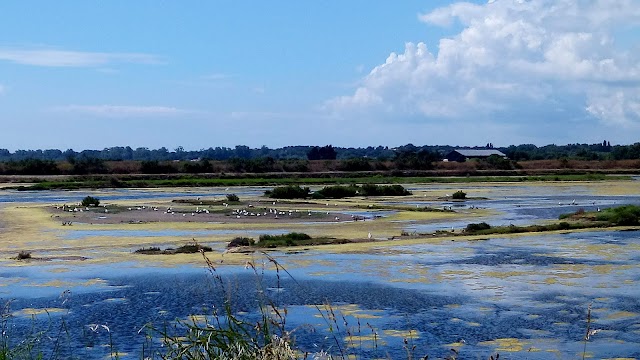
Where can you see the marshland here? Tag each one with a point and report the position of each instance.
(374, 277)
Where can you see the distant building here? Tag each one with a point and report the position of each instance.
(461, 155)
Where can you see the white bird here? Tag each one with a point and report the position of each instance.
(369, 236)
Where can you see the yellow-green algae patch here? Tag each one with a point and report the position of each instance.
(506, 344)
(345, 310)
(365, 341)
(405, 334)
(38, 311)
(622, 315)
(60, 283)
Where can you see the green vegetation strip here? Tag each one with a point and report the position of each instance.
(225, 182)
(284, 240)
(625, 215)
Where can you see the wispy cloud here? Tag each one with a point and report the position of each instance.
(275, 115)
(122, 111)
(217, 77)
(51, 57)
(2, 89)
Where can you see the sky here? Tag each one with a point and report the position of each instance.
(200, 74)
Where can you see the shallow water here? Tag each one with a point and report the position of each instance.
(525, 297)
(78, 234)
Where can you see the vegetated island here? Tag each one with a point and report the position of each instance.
(626, 215)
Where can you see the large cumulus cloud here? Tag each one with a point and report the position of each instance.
(513, 60)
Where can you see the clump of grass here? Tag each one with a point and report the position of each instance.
(290, 239)
(482, 229)
(625, 215)
(459, 195)
(383, 190)
(149, 250)
(233, 198)
(227, 335)
(336, 192)
(288, 192)
(90, 201)
(190, 248)
(23, 255)
(241, 241)
(473, 227)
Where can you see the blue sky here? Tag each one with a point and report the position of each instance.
(95, 74)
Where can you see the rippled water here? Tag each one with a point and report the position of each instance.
(524, 297)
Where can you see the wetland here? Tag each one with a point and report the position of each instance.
(525, 295)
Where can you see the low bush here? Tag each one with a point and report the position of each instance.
(288, 192)
(339, 192)
(383, 190)
(336, 192)
(459, 195)
(241, 241)
(23, 255)
(233, 198)
(192, 248)
(90, 201)
(473, 227)
(290, 239)
(149, 250)
(626, 215)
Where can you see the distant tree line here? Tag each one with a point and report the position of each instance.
(599, 151)
(243, 159)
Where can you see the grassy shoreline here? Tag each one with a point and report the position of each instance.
(93, 182)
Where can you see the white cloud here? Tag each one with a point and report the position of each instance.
(530, 58)
(50, 57)
(122, 111)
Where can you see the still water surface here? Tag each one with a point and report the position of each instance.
(524, 297)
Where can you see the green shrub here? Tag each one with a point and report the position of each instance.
(232, 198)
(90, 201)
(383, 190)
(23, 255)
(290, 239)
(241, 241)
(625, 215)
(477, 227)
(564, 226)
(459, 195)
(149, 250)
(192, 248)
(336, 192)
(288, 192)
